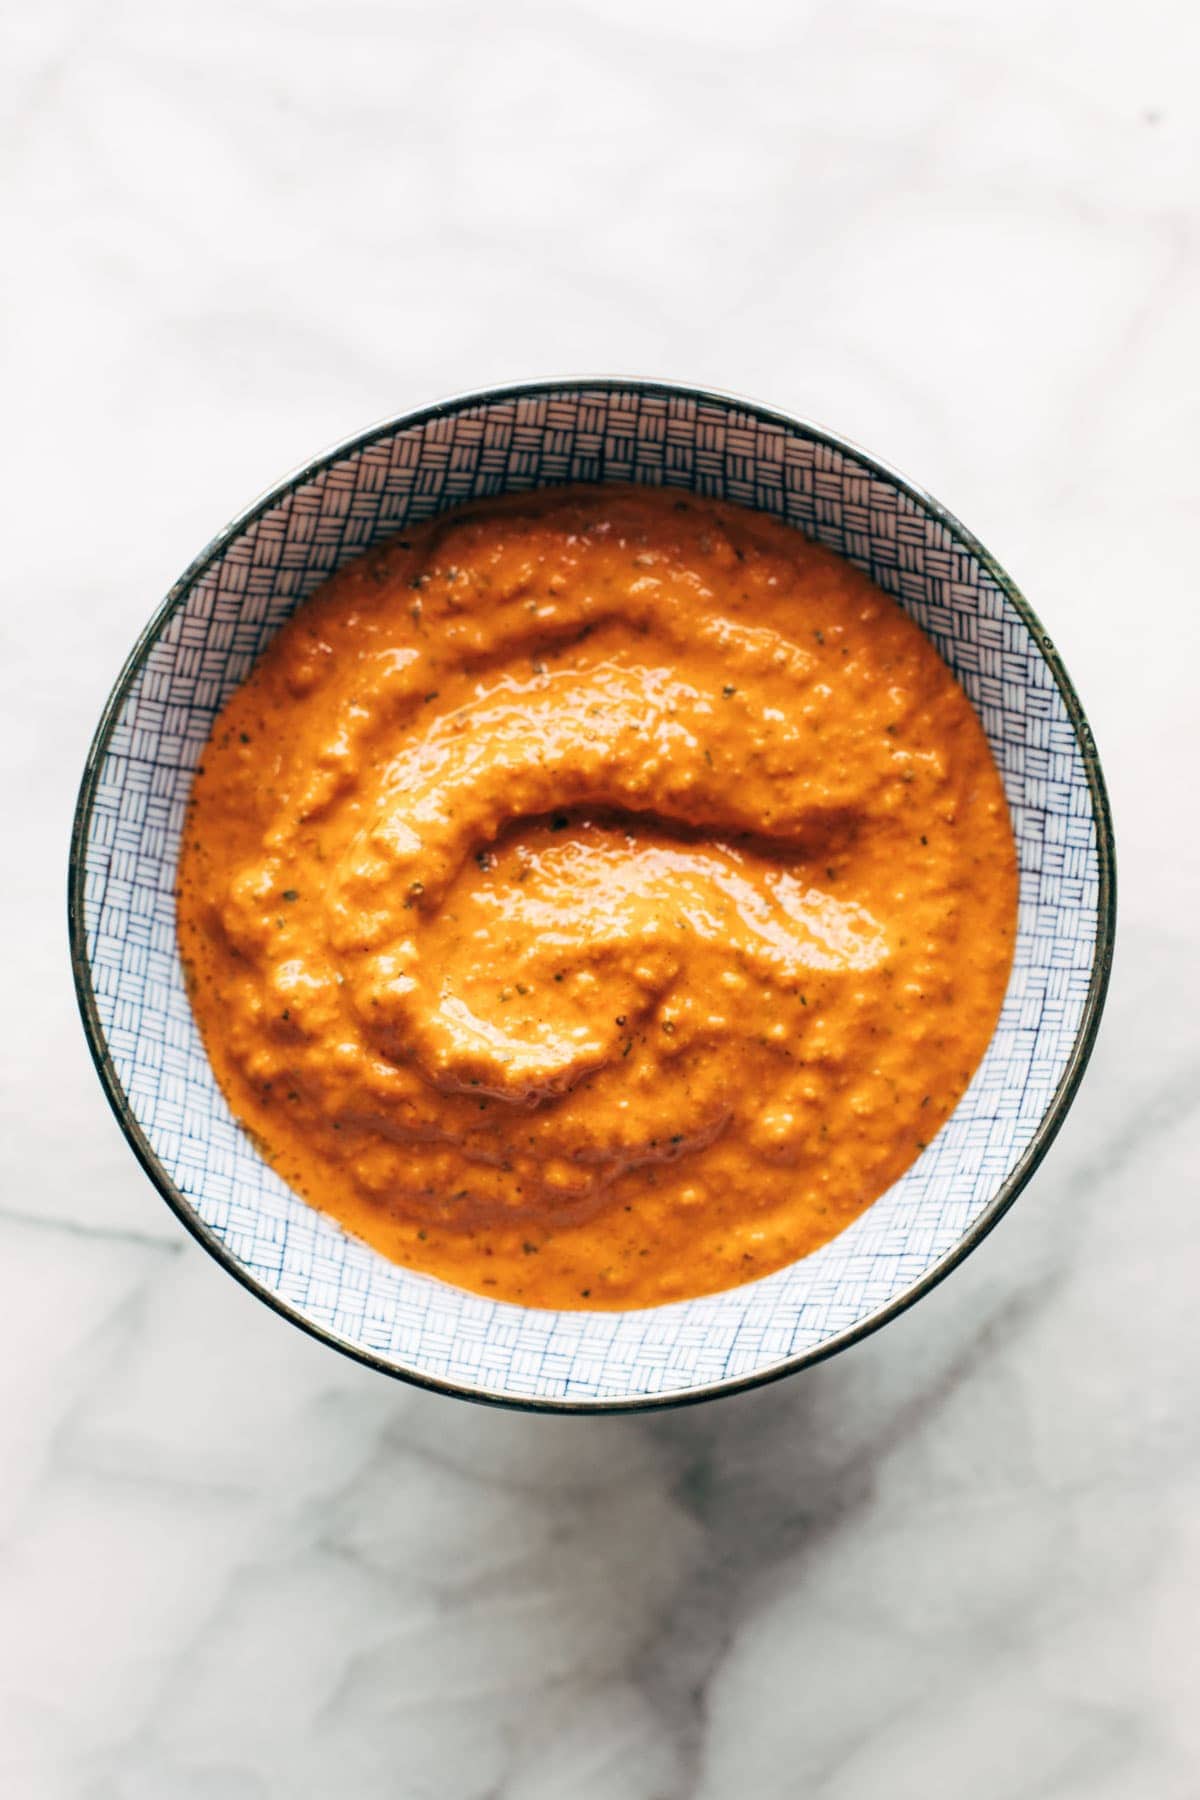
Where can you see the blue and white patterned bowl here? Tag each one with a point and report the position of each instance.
(201, 644)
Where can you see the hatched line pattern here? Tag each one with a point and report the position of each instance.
(209, 645)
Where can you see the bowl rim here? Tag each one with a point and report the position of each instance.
(1048, 1127)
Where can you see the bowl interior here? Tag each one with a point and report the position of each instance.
(204, 641)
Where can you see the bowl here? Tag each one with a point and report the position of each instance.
(202, 642)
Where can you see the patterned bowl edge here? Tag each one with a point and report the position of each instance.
(1018, 1178)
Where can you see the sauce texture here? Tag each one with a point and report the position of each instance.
(597, 898)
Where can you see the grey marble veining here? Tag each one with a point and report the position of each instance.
(960, 1559)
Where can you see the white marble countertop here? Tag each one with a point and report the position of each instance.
(961, 1559)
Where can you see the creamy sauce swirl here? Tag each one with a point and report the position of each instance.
(597, 898)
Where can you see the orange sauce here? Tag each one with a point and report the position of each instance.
(597, 898)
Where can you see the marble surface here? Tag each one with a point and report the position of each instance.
(962, 1558)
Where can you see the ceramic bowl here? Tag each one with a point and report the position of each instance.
(200, 645)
